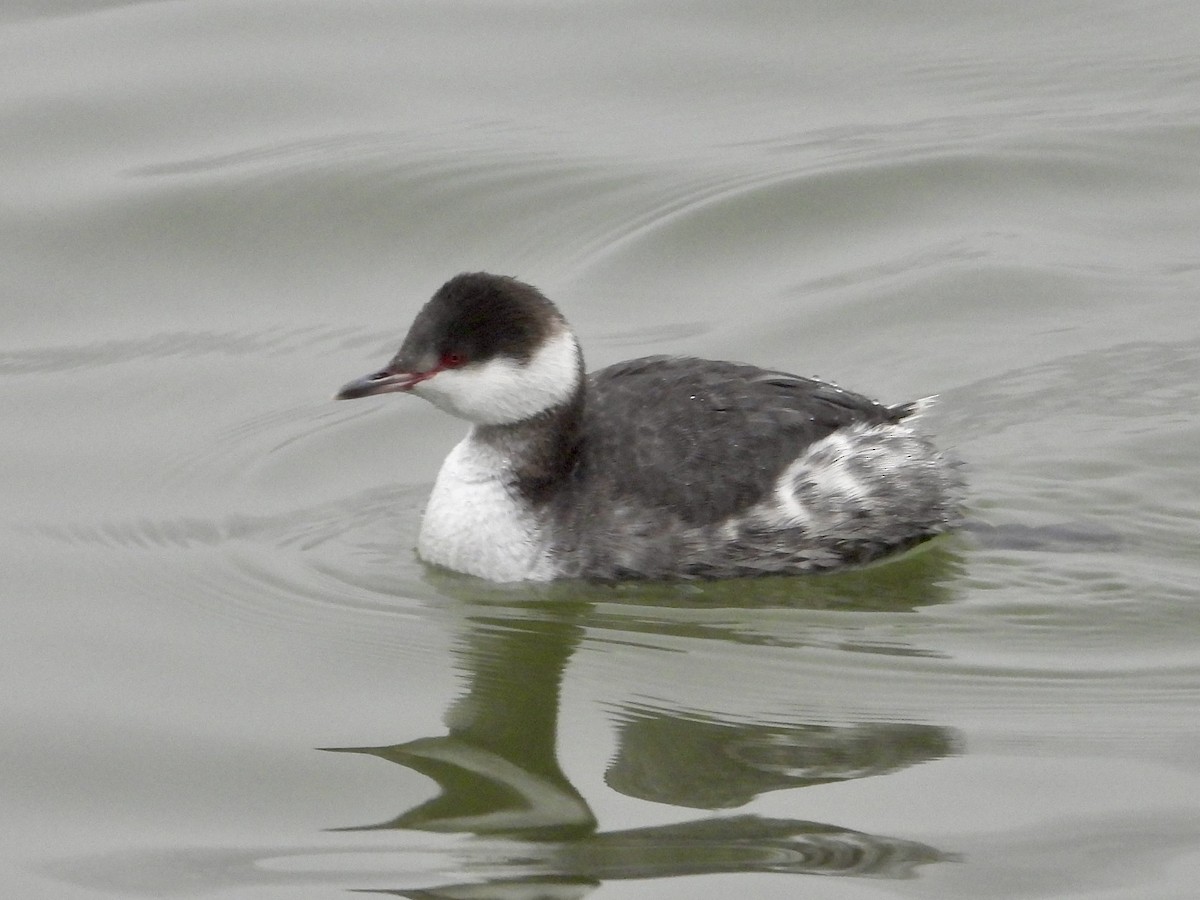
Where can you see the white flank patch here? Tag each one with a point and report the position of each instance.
(474, 525)
(789, 510)
(826, 466)
(502, 391)
(828, 459)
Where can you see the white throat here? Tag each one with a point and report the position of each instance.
(503, 391)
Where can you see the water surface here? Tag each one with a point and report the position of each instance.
(216, 213)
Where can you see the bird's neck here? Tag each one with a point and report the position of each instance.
(540, 452)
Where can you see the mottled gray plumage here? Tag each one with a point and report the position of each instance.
(672, 459)
(703, 438)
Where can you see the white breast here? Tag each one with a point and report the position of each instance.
(474, 524)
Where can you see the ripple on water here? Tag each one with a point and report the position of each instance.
(347, 196)
(1097, 442)
(808, 195)
(249, 547)
(175, 345)
(648, 214)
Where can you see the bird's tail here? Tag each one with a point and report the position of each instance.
(912, 409)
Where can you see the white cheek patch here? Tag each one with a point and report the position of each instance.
(503, 391)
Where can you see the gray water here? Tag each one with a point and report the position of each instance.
(215, 213)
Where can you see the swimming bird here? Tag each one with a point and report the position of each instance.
(656, 468)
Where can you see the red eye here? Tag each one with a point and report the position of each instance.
(452, 360)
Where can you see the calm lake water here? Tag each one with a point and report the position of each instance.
(215, 213)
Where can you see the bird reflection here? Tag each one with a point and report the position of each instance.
(499, 777)
(497, 767)
(669, 759)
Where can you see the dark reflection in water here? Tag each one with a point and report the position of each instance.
(497, 767)
(718, 765)
(499, 777)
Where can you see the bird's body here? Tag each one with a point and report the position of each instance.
(654, 468)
